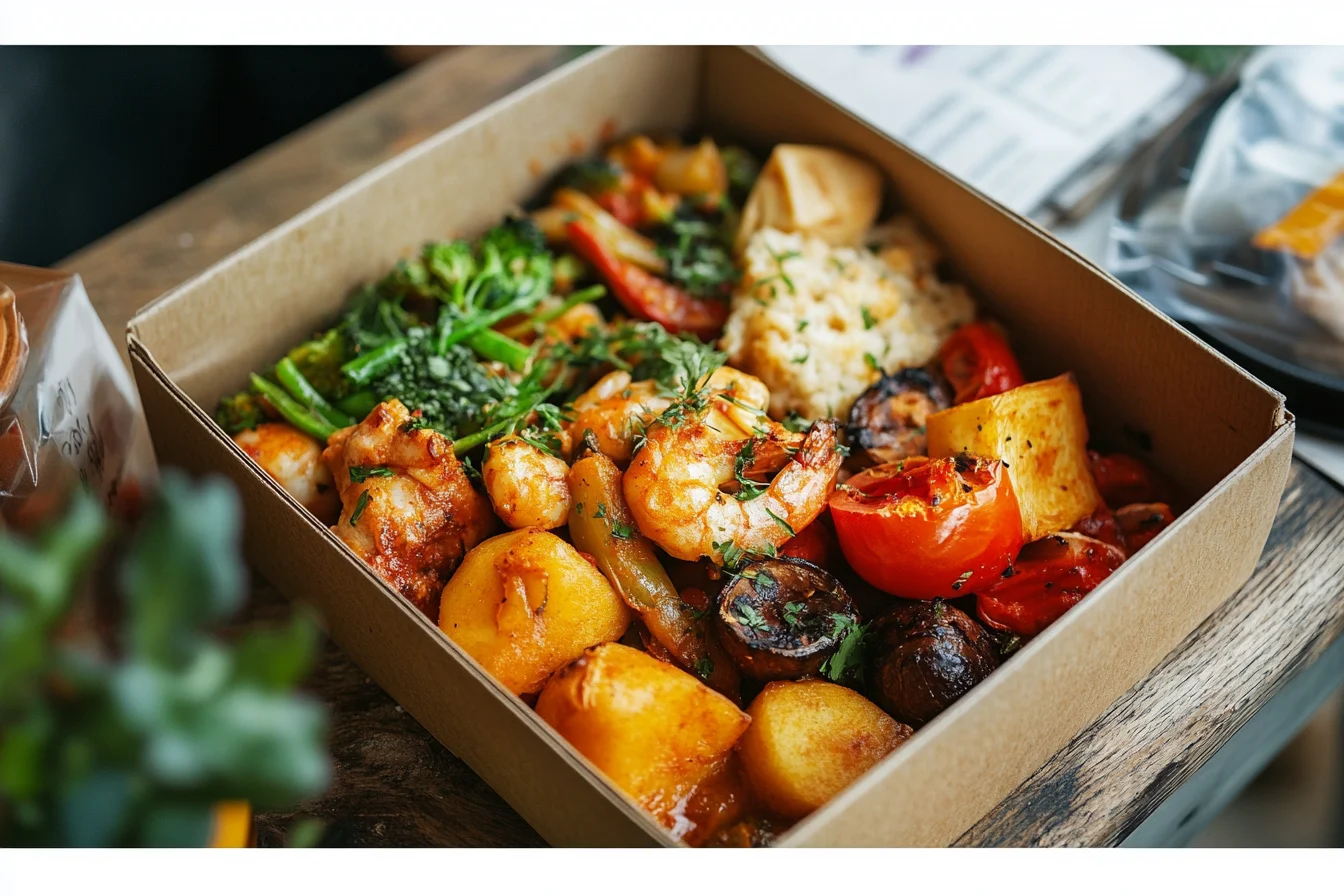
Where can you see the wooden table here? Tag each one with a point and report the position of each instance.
(1156, 765)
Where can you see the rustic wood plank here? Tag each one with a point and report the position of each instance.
(139, 262)
(395, 785)
(1115, 773)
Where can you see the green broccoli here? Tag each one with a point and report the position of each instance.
(320, 360)
(591, 176)
(452, 264)
(236, 413)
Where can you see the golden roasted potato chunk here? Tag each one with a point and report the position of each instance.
(1039, 432)
(525, 603)
(809, 740)
(814, 191)
(655, 730)
(692, 170)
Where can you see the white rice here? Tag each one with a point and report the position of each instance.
(816, 322)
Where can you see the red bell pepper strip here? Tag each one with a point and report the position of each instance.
(646, 296)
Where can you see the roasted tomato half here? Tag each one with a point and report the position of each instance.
(1101, 525)
(1141, 523)
(978, 363)
(1048, 577)
(1123, 479)
(924, 528)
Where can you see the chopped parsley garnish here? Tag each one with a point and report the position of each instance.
(783, 523)
(699, 259)
(872, 362)
(868, 321)
(748, 488)
(749, 616)
(846, 664)
(359, 474)
(962, 580)
(360, 503)
(622, 530)
(704, 667)
(795, 422)
(791, 611)
(601, 511)
(802, 324)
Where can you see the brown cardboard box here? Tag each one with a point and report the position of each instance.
(1149, 388)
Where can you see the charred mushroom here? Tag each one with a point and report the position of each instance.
(886, 422)
(925, 656)
(781, 618)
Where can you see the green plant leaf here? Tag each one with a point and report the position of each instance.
(183, 570)
(276, 659)
(94, 811)
(177, 824)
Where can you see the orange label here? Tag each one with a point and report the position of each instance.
(1315, 223)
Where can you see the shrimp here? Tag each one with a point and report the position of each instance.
(618, 408)
(527, 486)
(410, 511)
(674, 489)
(294, 460)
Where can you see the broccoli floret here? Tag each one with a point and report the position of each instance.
(514, 238)
(452, 264)
(320, 360)
(591, 176)
(239, 412)
(514, 263)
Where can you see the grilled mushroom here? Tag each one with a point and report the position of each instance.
(781, 618)
(886, 422)
(925, 657)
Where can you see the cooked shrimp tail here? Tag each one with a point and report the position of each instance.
(675, 490)
(528, 487)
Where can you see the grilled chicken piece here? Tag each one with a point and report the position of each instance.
(409, 510)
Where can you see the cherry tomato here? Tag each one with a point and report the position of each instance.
(1141, 523)
(1047, 578)
(646, 296)
(1123, 479)
(813, 544)
(1102, 526)
(978, 363)
(923, 528)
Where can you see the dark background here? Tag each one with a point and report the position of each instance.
(91, 137)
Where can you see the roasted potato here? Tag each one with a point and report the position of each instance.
(1039, 432)
(814, 191)
(655, 730)
(693, 171)
(809, 739)
(525, 603)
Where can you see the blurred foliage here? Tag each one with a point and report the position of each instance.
(1211, 61)
(128, 733)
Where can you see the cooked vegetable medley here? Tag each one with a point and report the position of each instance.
(734, 589)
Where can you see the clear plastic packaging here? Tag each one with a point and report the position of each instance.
(1237, 226)
(69, 412)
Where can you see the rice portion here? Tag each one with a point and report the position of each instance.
(817, 323)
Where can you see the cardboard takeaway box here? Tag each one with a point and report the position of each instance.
(1149, 388)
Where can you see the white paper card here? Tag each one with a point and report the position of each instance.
(1014, 122)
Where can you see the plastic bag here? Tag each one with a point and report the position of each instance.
(1270, 176)
(69, 413)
